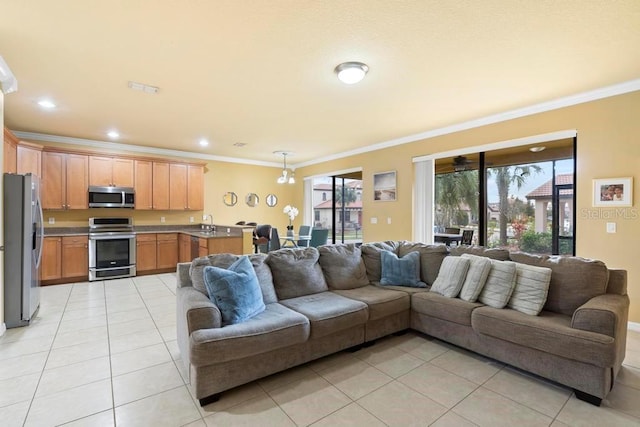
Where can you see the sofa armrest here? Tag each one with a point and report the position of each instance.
(605, 314)
(197, 310)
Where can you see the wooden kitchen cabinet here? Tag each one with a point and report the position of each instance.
(75, 256)
(161, 189)
(167, 250)
(51, 263)
(220, 245)
(195, 187)
(143, 170)
(178, 186)
(184, 250)
(29, 159)
(64, 180)
(186, 184)
(10, 152)
(146, 252)
(111, 171)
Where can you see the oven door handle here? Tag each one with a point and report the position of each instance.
(109, 236)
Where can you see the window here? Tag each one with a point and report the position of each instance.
(518, 198)
(337, 205)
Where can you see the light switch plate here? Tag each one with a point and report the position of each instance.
(374, 220)
(611, 227)
(191, 219)
(52, 220)
(161, 219)
(388, 220)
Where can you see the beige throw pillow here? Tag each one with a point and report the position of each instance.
(499, 285)
(451, 276)
(479, 269)
(532, 286)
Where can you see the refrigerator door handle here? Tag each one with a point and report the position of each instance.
(41, 233)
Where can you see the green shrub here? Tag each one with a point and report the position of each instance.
(533, 242)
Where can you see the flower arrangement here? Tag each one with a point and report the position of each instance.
(291, 212)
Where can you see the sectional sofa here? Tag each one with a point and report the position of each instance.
(321, 301)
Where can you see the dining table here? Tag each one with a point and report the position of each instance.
(292, 241)
(447, 238)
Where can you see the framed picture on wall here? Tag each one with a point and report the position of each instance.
(613, 192)
(384, 186)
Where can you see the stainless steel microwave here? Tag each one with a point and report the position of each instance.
(111, 197)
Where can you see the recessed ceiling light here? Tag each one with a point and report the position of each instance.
(351, 72)
(47, 104)
(203, 142)
(537, 149)
(113, 134)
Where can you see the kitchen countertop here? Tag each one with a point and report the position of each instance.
(192, 230)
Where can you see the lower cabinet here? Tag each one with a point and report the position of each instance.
(64, 258)
(156, 252)
(220, 245)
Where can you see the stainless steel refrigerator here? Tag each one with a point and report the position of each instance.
(23, 234)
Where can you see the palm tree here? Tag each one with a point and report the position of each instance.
(506, 176)
(453, 190)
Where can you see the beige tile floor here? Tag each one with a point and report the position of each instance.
(105, 354)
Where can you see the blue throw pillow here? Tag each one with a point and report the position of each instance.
(403, 271)
(236, 291)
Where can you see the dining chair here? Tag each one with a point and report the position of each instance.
(452, 230)
(467, 237)
(304, 231)
(274, 243)
(240, 223)
(261, 238)
(319, 237)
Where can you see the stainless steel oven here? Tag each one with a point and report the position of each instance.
(112, 248)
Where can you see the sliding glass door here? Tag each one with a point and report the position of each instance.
(337, 206)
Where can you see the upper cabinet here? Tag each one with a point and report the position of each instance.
(29, 159)
(111, 171)
(10, 152)
(191, 178)
(143, 170)
(161, 186)
(64, 181)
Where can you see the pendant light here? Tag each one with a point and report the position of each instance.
(287, 176)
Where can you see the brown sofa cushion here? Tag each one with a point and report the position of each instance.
(549, 332)
(493, 253)
(343, 266)
(574, 280)
(431, 257)
(296, 272)
(224, 261)
(371, 256)
(451, 309)
(329, 312)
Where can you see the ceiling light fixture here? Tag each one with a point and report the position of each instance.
(8, 82)
(113, 134)
(287, 176)
(46, 104)
(204, 143)
(143, 87)
(351, 72)
(537, 149)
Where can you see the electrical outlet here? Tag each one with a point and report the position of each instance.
(161, 219)
(374, 220)
(52, 220)
(191, 219)
(204, 217)
(388, 220)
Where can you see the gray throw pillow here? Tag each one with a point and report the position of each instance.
(451, 277)
(263, 272)
(296, 272)
(530, 292)
(479, 269)
(343, 266)
(431, 257)
(499, 285)
(371, 256)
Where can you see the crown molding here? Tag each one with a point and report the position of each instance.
(567, 101)
(138, 148)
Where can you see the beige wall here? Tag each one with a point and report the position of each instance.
(608, 146)
(2, 326)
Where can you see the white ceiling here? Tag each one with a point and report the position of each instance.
(260, 72)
